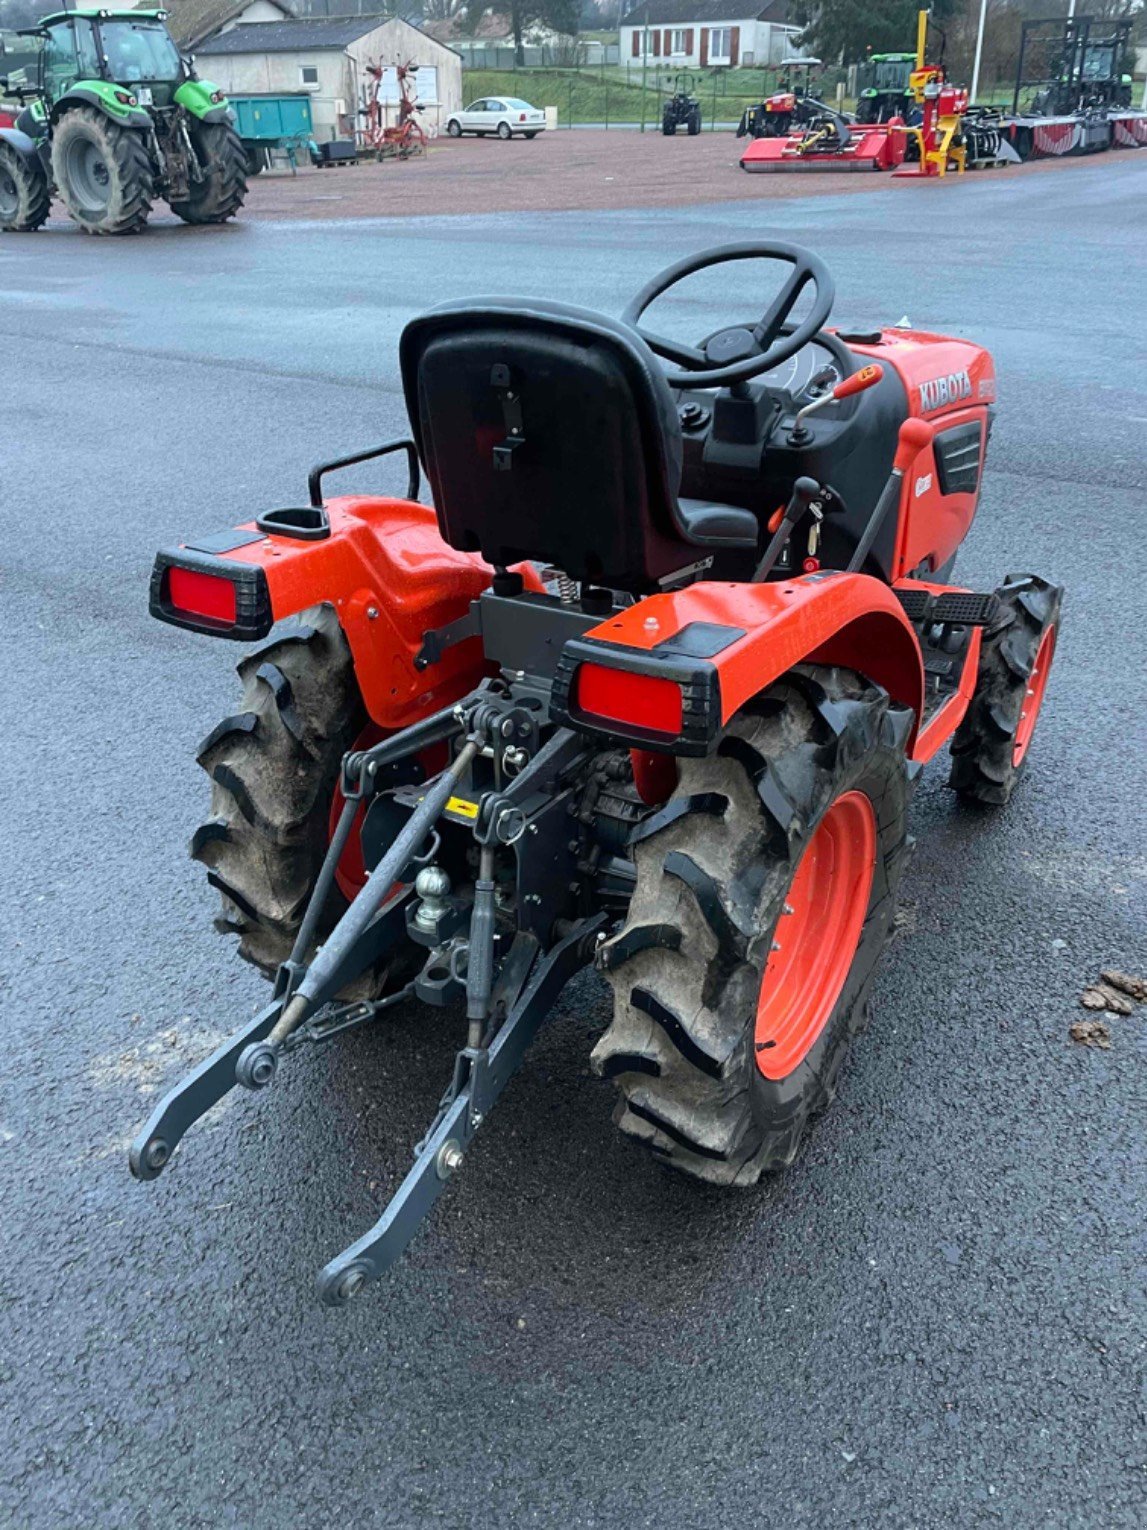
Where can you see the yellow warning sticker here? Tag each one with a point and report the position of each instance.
(463, 808)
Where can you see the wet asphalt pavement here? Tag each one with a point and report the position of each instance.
(935, 1318)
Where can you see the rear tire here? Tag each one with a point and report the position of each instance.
(694, 123)
(25, 201)
(102, 171)
(223, 189)
(273, 766)
(504, 132)
(990, 747)
(690, 1039)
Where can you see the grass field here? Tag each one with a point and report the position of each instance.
(585, 96)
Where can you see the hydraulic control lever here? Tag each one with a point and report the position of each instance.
(805, 490)
(867, 377)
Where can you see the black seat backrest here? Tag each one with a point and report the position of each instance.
(547, 432)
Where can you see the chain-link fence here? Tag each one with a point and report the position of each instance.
(633, 93)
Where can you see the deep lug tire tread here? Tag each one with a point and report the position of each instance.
(34, 200)
(273, 766)
(982, 748)
(223, 190)
(680, 1047)
(129, 209)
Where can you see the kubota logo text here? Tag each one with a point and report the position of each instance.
(938, 391)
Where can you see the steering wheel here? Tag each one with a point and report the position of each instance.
(734, 355)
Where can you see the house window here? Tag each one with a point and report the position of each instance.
(678, 46)
(720, 44)
(309, 74)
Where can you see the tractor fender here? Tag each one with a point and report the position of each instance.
(20, 142)
(202, 99)
(752, 634)
(101, 95)
(384, 568)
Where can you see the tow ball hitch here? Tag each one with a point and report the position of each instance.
(504, 1009)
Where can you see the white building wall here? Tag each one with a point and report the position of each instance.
(343, 83)
(280, 74)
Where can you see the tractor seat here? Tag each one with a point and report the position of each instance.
(549, 433)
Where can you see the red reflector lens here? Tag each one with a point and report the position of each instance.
(642, 701)
(201, 594)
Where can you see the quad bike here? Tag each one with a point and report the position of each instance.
(116, 118)
(682, 108)
(649, 688)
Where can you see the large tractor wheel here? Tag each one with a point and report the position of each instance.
(24, 198)
(990, 748)
(222, 158)
(274, 768)
(102, 172)
(765, 893)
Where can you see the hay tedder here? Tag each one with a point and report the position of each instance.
(648, 689)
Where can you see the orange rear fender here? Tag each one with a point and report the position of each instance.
(390, 577)
(851, 620)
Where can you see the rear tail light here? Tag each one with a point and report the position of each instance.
(658, 700)
(211, 594)
(643, 702)
(521, 116)
(194, 594)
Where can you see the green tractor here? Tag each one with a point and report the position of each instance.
(884, 92)
(115, 118)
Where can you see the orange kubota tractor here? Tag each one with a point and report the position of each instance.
(649, 687)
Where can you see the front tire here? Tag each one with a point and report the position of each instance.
(454, 129)
(223, 188)
(722, 1046)
(25, 201)
(102, 171)
(990, 747)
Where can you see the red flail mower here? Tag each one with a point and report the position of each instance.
(648, 688)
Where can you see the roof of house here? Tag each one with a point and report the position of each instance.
(293, 36)
(190, 22)
(654, 12)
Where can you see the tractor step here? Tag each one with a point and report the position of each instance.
(957, 608)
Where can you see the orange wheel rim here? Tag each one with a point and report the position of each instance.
(817, 934)
(1033, 695)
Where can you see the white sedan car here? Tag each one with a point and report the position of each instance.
(504, 115)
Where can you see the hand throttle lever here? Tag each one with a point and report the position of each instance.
(867, 377)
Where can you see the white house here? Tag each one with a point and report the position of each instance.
(707, 33)
(327, 58)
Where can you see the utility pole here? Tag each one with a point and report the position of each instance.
(980, 49)
(644, 63)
